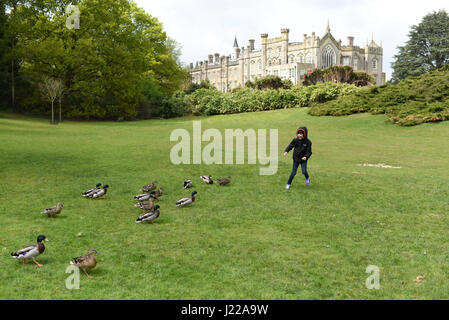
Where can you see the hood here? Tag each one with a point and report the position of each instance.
(306, 134)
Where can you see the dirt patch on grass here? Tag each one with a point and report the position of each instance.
(379, 165)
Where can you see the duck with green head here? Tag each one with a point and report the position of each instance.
(186, 201)
(31, 251)
(149, 216)
(91, 190)
(145, 196)
(99, 193)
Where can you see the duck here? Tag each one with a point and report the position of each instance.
(207, 179)
(146, 205)
(186, 201)
(145, 196)
(86, 262)
(157, 194)
(91, 190)
(149, 216)
(53, 211)
(188, 184)
(99, 193)
(224, 181)
(150, 187)
(31, 251)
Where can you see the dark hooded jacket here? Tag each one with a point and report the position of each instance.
(303, 148)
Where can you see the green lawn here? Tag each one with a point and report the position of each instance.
(249, 240)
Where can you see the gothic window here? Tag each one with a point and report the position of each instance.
(328, 57)
(291, 59)
(301, 58)
(346, 61)
(269, 63)
(309, 58)
(374, 63)
(356, 63)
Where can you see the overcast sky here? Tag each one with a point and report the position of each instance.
(205, 27)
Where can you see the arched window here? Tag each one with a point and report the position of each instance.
(328, 57)
(309, 58)
(291, 59)
(269, 63)
(374, 63)
(300, 58)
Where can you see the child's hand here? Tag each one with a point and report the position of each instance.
(285, 153)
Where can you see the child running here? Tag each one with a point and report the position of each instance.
(301, 154)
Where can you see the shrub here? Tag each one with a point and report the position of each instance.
(341, 74)
(412, 101)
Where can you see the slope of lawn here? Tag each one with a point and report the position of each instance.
(249, 240)
(413, 101)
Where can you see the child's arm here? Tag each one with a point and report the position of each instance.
(289, 147)
(309, 151)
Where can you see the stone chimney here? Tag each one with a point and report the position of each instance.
(351, 41)
(237, 53)
(191, 65)
(217, 58)
(211, 58)
(251, 44)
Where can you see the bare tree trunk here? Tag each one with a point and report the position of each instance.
(13, 94)
(60, 115)
(52, 113)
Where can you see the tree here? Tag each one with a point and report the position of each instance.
(51, 89)
(427, 48)
(103, 63)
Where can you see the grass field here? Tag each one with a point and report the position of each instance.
(249, 240)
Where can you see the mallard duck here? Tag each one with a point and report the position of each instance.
(91, 190)
(188, 184)
(53, 211)
(145, 196)
(149, 216)
(224, 181)
(186, 201)
(99, 193)
(207, 179)
(31, 251)
(86, 262)
(157, 194)
(150, 187)
(146, 205)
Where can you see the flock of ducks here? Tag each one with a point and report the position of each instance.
(151, 193)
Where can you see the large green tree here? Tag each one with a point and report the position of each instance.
(103, 64)
(427, 48)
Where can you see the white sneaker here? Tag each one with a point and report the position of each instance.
(287, 187)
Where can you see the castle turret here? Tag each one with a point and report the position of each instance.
(351, 41)
(251, 44)
(285, 33)
(264, 39)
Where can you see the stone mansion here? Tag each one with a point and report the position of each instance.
(288, 60)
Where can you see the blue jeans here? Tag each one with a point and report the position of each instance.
(295, 169)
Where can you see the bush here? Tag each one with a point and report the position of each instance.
(210, 102)
(412, 101)
(341, 74)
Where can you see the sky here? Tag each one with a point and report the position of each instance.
(204, 27)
